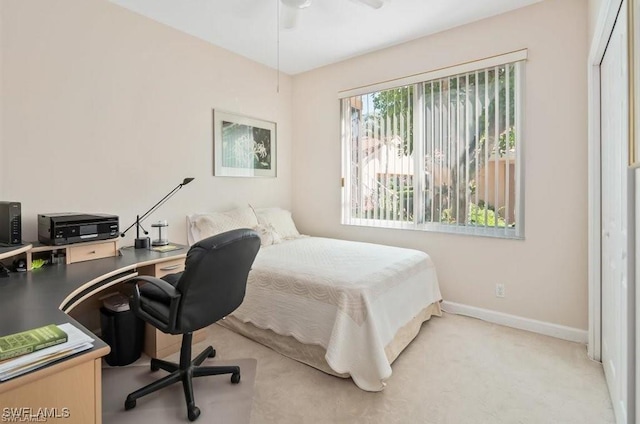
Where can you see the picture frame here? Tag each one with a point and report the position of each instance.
(243, 146)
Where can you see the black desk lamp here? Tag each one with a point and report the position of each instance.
(143, 242)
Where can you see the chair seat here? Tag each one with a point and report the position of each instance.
(150, 291)
(156, 302)
(157, 310)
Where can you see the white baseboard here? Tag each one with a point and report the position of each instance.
(535, 326)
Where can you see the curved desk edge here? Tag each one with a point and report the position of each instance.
(107, 280)
(9, 252)
(92, 288)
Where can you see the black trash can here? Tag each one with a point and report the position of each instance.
(121, 330)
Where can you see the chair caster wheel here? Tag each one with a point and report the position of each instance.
(193, 413)
(235, 378)
(129, 404)
(212, 354)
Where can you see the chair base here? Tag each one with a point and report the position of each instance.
(185, 371)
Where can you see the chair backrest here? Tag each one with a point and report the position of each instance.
(215, 278)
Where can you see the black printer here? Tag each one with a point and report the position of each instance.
(57, 229)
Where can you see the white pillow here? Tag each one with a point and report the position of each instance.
(267, 234)
(219, 222)
(278, 219)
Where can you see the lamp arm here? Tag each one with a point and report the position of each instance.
(157, 205)
(152, 209)
(128, 228)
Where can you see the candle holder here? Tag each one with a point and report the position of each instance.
(162, 239)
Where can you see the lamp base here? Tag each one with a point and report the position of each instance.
(162, 242)
(141, 243)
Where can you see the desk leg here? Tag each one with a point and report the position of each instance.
(97, 372)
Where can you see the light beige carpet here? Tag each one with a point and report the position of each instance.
(458, 370)
(219, 400)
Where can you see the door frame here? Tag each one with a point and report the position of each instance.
(603, 29)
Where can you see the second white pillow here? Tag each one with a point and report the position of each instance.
(279, 220)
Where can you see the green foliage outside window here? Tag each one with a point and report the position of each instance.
(480, 216)
(387, 121)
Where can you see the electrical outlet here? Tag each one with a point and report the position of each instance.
(499, 290)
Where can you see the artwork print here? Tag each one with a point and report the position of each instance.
(243, 146)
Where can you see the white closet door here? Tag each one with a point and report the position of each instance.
(614, 156)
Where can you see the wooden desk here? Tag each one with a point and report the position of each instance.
(8, 252)
(55, 294)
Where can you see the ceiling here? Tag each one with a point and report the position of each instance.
(326, 32)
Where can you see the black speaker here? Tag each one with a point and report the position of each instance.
(10, 223)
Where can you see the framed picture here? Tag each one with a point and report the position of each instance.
(243, 146)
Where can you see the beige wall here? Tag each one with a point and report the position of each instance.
(546, 274)
(106, 111)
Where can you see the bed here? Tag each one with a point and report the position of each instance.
(346, 308)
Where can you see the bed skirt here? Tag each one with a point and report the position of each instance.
(314, 355)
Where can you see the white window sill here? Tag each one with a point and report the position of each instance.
(503, 233)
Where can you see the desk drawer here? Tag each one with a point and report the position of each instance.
(91, 251)
(168, 267)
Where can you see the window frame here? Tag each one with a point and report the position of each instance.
(518, 59)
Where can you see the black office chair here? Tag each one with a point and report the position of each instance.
(211, 287)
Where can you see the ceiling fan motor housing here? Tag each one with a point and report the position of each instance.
(298, 4)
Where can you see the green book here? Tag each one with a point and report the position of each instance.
(30, 341)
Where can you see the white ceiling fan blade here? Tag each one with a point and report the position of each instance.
(288, 16)
(376, 4)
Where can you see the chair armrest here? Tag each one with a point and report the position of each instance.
(167, 288)
(161, 284)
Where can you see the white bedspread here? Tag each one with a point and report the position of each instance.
(348, 297)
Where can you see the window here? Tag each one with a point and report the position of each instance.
(441, 153)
